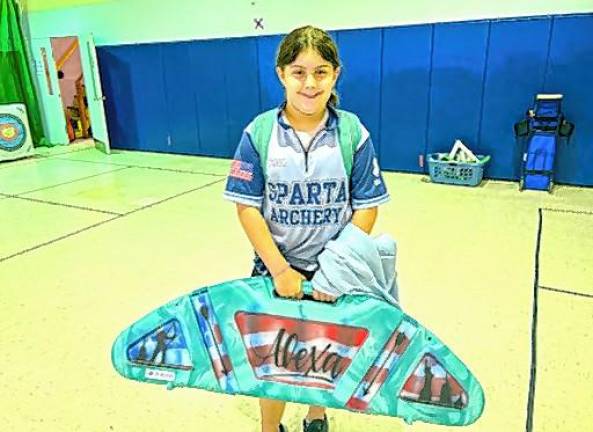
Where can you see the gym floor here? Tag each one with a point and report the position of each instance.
(89, 243)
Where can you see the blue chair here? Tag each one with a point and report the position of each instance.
(540, 132)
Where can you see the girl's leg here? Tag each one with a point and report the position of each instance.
(315, 413)
(271, 414)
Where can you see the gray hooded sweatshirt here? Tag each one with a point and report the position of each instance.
(356, 263)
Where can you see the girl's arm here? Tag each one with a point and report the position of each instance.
(286, 280)
(365, 218)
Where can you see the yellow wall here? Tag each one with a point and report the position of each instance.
(128, 21)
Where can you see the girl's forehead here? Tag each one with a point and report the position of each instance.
(310, 58)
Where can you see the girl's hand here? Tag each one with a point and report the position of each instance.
(288, 284)
(319, 296)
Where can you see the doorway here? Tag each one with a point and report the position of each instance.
(68, 66)
(66, 55)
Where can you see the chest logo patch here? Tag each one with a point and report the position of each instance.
(278, 162)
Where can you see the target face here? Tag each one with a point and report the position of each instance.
(12, 132)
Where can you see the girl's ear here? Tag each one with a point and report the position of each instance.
(280, 73)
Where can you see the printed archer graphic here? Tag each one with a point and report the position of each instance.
(426, 392)
(164, 347)
(162, 340)
(432, 384)
(142, 352)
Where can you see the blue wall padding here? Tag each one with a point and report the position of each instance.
(119, 107)
(271, 92)
(405, 96)
(417, 88)
(148, 96)
(208, 68)
(514, 74)
(134, 86)
(180, 100)
(226, 92)
(570, 71)
(359, 86)
(242, 88)
(458, 63)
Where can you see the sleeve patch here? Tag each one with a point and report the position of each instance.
(241, 170)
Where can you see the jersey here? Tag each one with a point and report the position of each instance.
(305, 196)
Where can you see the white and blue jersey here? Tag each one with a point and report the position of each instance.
(305, 196)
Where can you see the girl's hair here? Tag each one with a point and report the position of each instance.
(304, 38)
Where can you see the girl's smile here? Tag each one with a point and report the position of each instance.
(308, 81)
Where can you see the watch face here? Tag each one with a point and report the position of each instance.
(12, 132)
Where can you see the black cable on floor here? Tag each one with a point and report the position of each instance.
(532, 377)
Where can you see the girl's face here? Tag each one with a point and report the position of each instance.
(308, 81)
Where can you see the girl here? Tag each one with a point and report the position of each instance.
(301, 172)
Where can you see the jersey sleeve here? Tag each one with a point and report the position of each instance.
(368, 186)
(245, 182)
